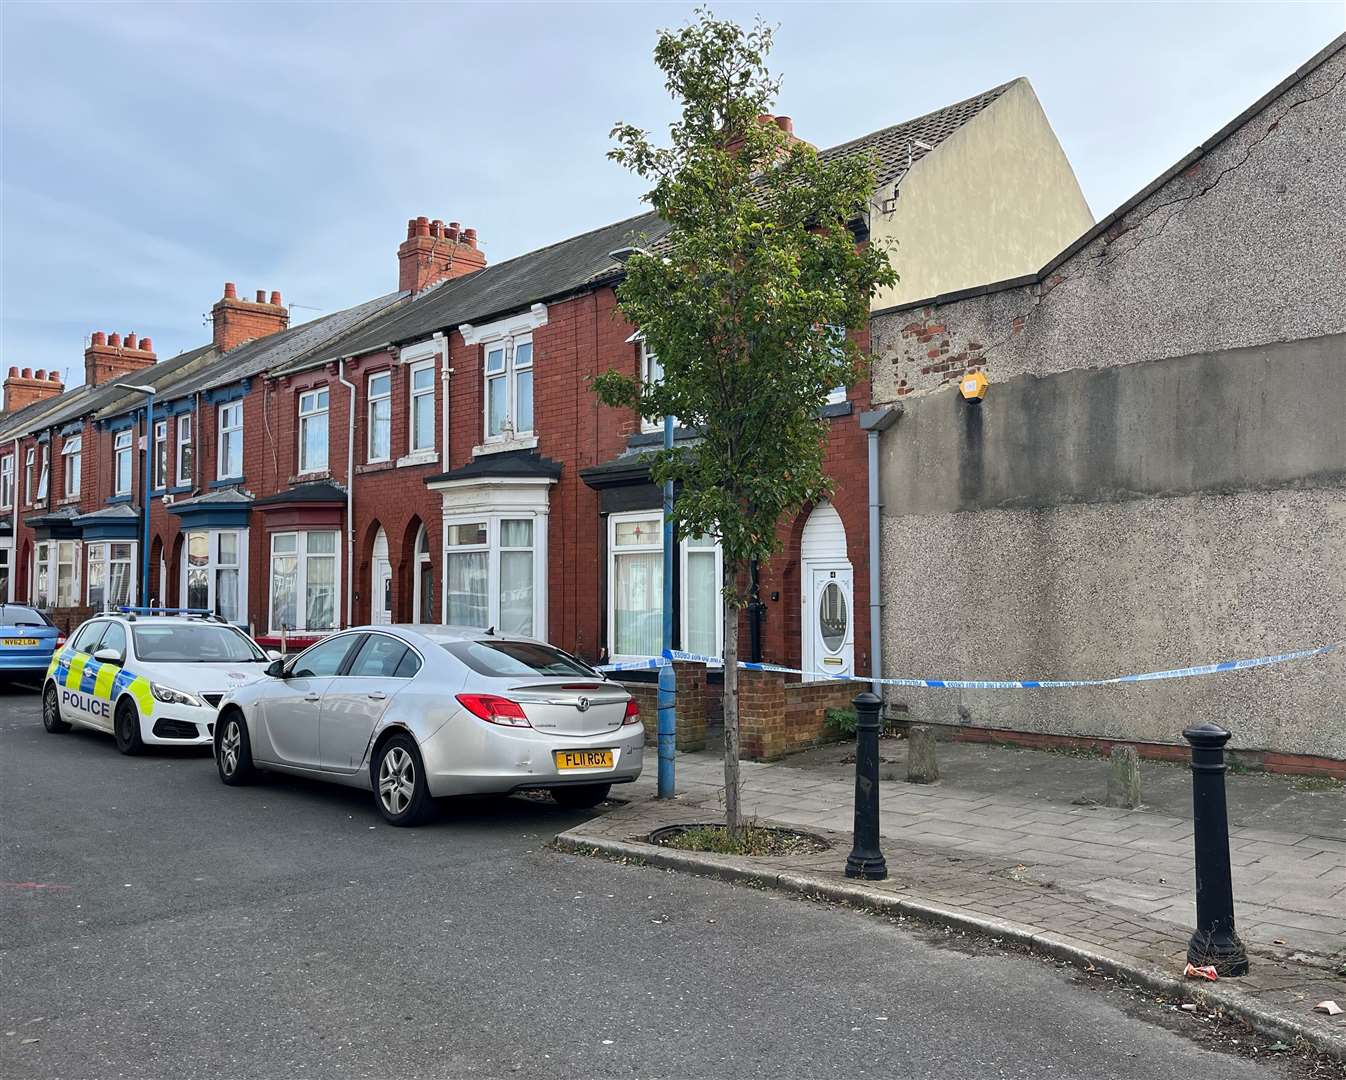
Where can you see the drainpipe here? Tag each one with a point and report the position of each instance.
(445, 374)
(350, 492)
(14, 526)
(874, 423)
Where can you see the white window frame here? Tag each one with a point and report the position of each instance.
(227, 432)
(384, 399)
(212, 567)
(183, 441)
(684, 608)
(511, 332)
(160, 466)
(29, 458)
(301, 579)
(122, 442)
(71, 454)
(837, 394)
(418, 399)
(6, 483)
(313, 403)
(44, 475)
(493, 549)
(100, 553)
(52, 554)
(654, 516)
(509, 372)
(648, 361)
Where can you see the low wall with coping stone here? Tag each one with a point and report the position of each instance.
(777, 717)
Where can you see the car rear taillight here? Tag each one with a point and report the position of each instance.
(632, 713)
(60, 640)
(494, 709)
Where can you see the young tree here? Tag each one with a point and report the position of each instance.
(747, 301)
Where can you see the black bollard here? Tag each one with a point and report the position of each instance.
(866, 860)
(1215, 941)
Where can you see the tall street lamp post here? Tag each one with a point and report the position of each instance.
(145, 489)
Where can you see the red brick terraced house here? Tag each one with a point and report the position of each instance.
(433, 455)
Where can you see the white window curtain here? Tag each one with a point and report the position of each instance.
(380, 416)
(72, 453)
(160, 454)
(702, 596)
(491, 574)
(466, 574)
(56, 573)
(28, 460)
(313, 431)
(184, 455)
(111, 575)
(636, 585)
(215, 572)
(44, 475)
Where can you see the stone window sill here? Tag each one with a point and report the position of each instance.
(420, 457)
(527, 443)
(373, 467)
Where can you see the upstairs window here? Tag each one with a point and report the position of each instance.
(121, 462)
(71, 452)
(45, 474)
(28, 460)
(230, 465)
(421, 422)
(651, 373)
(6, 487)
(184, 455)
(160, 454)
(313, 431)
(379, 394)
(509, 388)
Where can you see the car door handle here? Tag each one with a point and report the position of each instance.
(378, 695)
(312, 697)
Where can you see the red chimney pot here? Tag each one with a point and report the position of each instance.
(53, 377)
(27, 373)
(13, 373)
(146, 345)
(451, 230)
(230, 291)
(786, 124)
(99, 338)
(115, 340)
(422, 226)
(40, 373)
(261, 296)
(275, 298)
(132, 342)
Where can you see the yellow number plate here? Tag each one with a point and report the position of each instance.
(19, 642)
(582, 759)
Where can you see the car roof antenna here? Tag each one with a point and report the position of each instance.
(490, 631)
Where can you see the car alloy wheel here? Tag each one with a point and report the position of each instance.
(51, 712)
(126, 728)
(397, 781)
(231, 745)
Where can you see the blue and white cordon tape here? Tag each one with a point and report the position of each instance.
(990, 684)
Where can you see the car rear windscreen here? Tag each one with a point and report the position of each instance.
(194, 644)
(508, 659)
(19, 615)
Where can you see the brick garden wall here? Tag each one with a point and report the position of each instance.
(777, 717)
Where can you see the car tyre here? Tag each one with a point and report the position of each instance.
(51, 711)
(580, 796)
(126, 727)
(400, 791)
(233, 751)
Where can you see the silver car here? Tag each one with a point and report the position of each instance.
(413, 713)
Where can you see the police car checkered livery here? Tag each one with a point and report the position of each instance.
(149, 676)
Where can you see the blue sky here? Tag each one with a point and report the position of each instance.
(152, 152)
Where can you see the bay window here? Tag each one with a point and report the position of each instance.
(509, 388)
(111, 575)
(305, 577)
(215, 572)
(72, 452)
(230, 464)
(421, 420)
(313, 431)
(491, 574)
(7, 481)
(160, 455)
(379, 394)
(184, 448)
(702, 596)
(121, 462)
(45, 473)
(56, 573)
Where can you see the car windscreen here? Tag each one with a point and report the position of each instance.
(19, 615)
(194, 644)
(510, 659)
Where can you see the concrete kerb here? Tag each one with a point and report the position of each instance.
(1260, 1018)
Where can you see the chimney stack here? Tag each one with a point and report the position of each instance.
(435, 252)
(240, 321)
(108, 357)
(23, 389)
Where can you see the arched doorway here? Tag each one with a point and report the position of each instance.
(422, 579)
(826, 590)
(381, 581)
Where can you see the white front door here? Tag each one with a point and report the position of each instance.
(381, 587)
(829, 620)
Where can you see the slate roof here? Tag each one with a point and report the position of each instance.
(222, 497)
(322, 491)
(505, 465)
(26, 419)
(120, 512)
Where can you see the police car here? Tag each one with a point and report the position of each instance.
(150, 676)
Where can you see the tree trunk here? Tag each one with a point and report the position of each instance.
(732, 815)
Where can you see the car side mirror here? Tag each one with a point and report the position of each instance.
(108, 656)
(276, 669)
(271, 654)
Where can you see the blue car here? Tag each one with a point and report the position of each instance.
(27, 641)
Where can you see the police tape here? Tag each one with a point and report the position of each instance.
(1216, 668)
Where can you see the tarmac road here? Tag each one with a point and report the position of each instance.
(158, 924)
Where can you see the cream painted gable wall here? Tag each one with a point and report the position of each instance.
(995, 200)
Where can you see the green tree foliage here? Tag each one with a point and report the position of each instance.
(748, 300)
